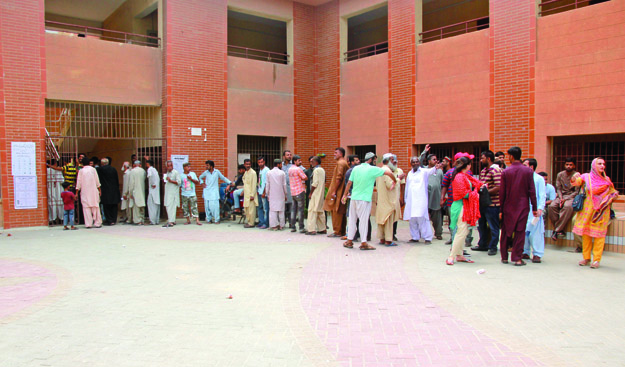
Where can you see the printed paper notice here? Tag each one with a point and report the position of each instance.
(25, 192)
(23, 159)
(241, 157)
(178, 161)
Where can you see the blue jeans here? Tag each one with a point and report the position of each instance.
(263, 211)
(68, 217)
(489, 228)
(237, 194)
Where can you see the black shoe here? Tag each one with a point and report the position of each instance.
(478, 248)
(428, 242)
(448, 242)
(464, 253)
(293, 230)
(492, 252)
(395, 238)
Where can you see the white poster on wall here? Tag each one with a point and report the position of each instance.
(25, 192)
(243, 156)
(23, 158)
(179, 160)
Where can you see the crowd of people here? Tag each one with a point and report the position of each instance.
(508, 204)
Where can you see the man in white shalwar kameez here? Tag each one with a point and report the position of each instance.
(55, 203)
(276, 192)
(535, 228)
(171, 199)
(125, 207)
(154, 193)
(416, 210)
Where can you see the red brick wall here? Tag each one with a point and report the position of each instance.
(328, 88)
(512, 58)
(195, 68)
(304, 57)
(22, 60)
(580, 74)
(4, 174)
(401, 78)
(453, 89)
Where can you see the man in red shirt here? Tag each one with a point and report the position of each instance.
(68, 198)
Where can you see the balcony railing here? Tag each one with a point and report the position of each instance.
(254, 54)
(454, 29)
(558, 6)
(103, 34)
(366, 51)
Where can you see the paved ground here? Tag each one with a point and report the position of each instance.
(132, 296)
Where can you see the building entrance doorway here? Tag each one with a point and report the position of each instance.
(116, 132)
(254, 147)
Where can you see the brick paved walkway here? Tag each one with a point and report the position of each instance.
(131, 296)
(368, 312)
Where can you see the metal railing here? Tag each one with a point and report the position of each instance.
(261, 55)
(104, 34)
(366, 51)
(454, 29)
(563, 5)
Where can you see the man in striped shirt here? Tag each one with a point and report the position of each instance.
(489, 221)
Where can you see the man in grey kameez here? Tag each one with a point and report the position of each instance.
(136, 192)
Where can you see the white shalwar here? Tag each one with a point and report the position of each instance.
(416, 197)
(154, 196)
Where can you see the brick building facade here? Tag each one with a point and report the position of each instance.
(546, 80)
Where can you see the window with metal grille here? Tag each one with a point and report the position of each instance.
(103, 130)
(367, 34)
(362, 150)
(255, 147)
(588, 147)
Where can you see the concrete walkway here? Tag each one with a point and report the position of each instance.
(137, 296)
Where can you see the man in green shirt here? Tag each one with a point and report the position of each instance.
(361, 182)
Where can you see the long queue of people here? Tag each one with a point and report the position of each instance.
(507, 204)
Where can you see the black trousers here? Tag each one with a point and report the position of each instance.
(110, 213)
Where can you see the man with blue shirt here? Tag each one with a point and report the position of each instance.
(263, 203)
(535, 229)
(362, 180)
(210, 181)
(550, 195)
(550, 191)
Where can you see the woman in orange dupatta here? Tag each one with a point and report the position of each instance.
(592, 222)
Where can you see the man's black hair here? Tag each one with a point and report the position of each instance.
(516, 153)
(489, 154)
(532, 162)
